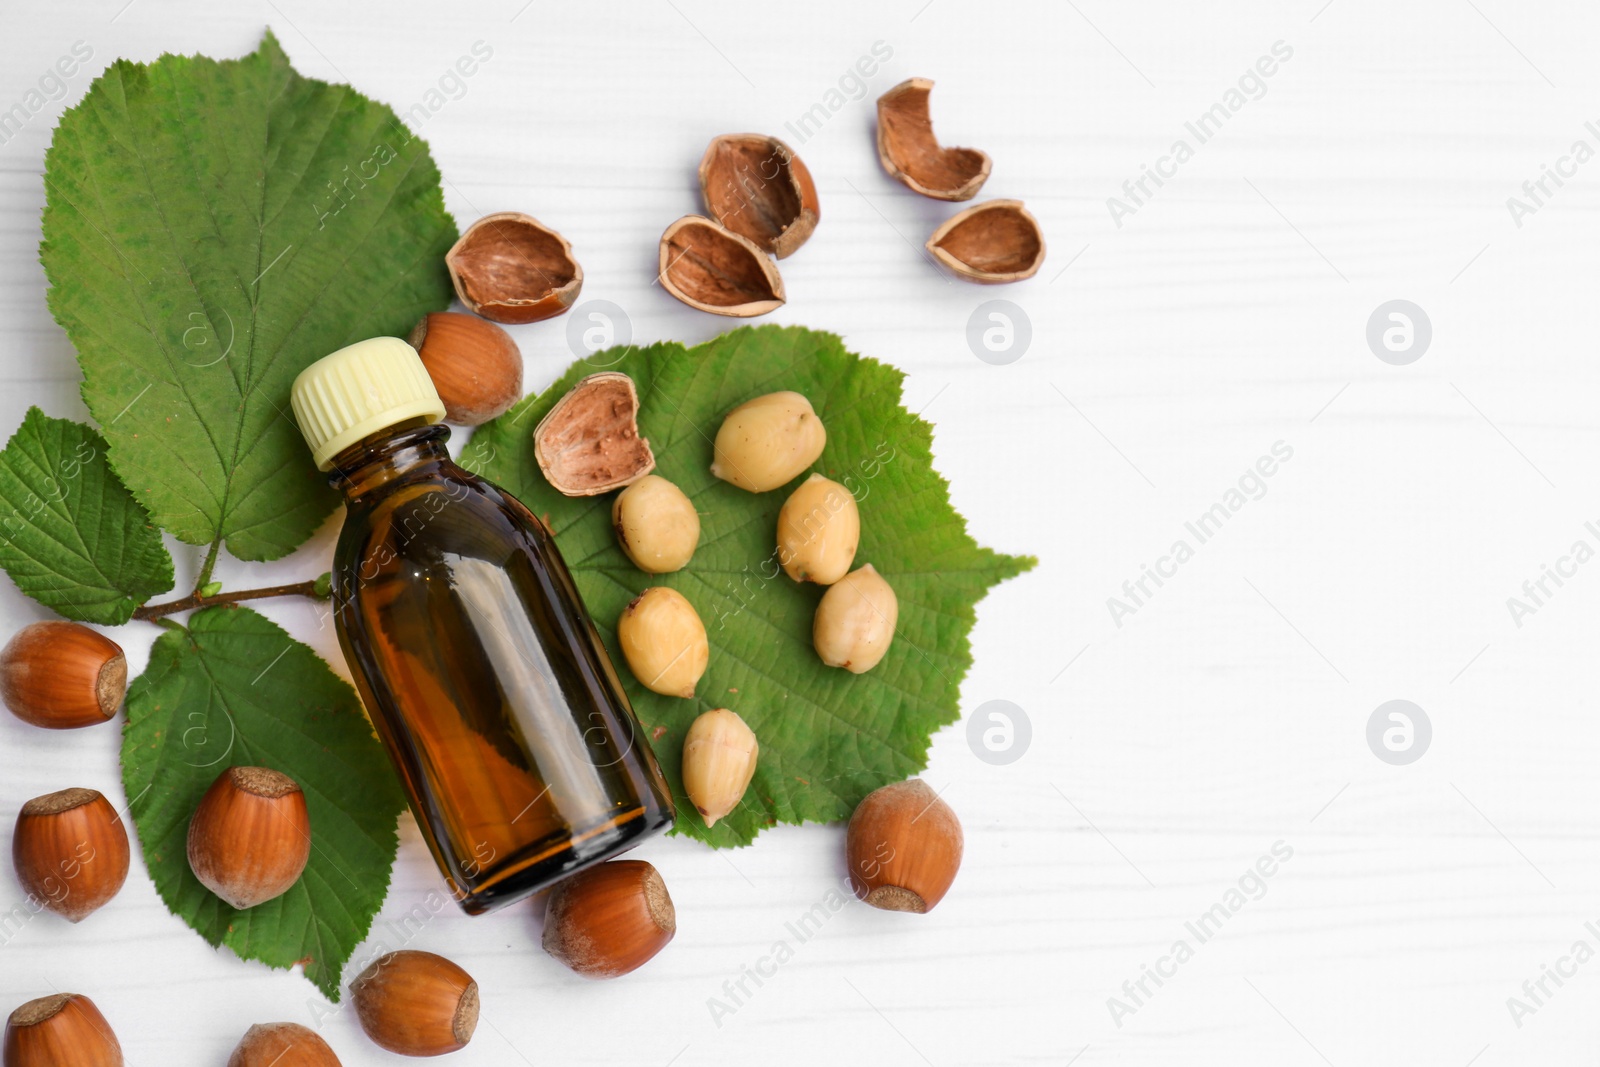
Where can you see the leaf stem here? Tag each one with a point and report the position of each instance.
(156, 612)
(207, 566)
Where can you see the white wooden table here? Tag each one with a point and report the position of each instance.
(1228, 712)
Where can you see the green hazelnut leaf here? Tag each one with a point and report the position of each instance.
(210, 228)
(71, 535)
(827, 737)
(233, 689)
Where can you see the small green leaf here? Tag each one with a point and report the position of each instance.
(827, 737)
(211, 589)
(210, 228)
(323, 586)
(235, 690)
(71, 535)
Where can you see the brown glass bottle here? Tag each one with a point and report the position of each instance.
(483, 674)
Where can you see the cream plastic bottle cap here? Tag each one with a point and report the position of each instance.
(358, 391)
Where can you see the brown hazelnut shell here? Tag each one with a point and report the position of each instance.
(57, 1031)
(904, 847)
(757, 187)
(912, 155)
(475, 365)
(282, 1045)
(70, 851)
(250, 838)
(589, 442)
(991, 243)
(416, 1003)
(610, 919)
(510, 267)
(62, 675)
(711, 268)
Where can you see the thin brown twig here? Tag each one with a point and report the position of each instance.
(152, 612)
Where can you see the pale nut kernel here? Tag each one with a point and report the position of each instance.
(766, 442)
(664, 642)
(819, 528)
(719, 759)
(657, 525)
(855, 621)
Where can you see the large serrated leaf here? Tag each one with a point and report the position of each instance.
(210, 228)
(233, 689)
(827, 737)
(71, 535)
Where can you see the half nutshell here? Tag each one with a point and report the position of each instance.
(589, 442)
(757, 187)
(511, 268)
(711, 268)
(990, 243)
(912, 155)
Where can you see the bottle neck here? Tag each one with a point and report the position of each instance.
(403, 450)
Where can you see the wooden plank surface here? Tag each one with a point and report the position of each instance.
(1225, 716)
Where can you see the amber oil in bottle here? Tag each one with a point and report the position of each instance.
(473, 653)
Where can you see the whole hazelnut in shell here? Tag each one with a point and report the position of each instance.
(62, 1030)
(904, 847)
(416, 1003)
(62, 675)
(475, 365)
(70, 851)
(250, 838)
(282, 1045)
(609, 919)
